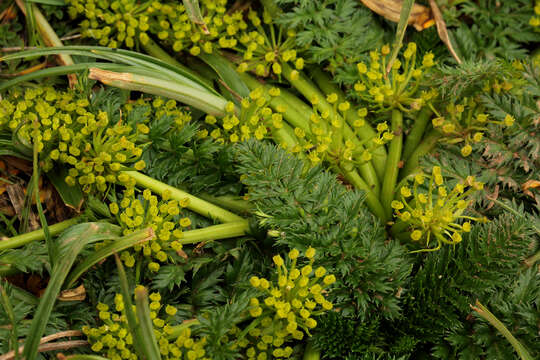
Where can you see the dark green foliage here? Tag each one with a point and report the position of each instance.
(331, 32)
(309, 207)
(32, 258)
(180, 159)
(485, 266)
(457, 81)
(491, 28)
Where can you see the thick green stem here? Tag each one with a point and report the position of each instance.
(365, 133)
(392, 163)
(195, 204)
(372, 201)
(292, 115)
(23, 239)
(429, 142)
(417, 131)
(310, 353)
(215, 232)
(310, 91)
(229, 202)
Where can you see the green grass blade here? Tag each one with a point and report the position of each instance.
(11, 316)
(483, 312)
(71, 242)
(118, 245)
(227, 74)
(116, 55)
(406, 9)
(134, 326)
(145, 322)
(51, 249)
(49, 2)
(200, 99)
(57, 71)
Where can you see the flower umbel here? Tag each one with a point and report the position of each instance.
(287, 308)
(438, 213)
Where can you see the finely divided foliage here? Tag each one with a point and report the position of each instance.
(275, 179)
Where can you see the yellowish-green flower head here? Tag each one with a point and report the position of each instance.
(126, 23)
(465, 124)
(398, 89)
(66, 130)
(266, 47)
(438, 214)
(287, 308)
(166, 217)
(113, 339)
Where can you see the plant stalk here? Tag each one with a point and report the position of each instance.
(197, 205)
(310, 91)
(229, 202)
(372, 201)
(215, 232)
(23, 239)
(417, 131)
(427, 144)
(392, 163)
(365, 133)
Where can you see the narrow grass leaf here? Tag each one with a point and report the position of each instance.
(145, 322)
(406, 9)
(483, 312)
(134, 326)
(70, 244)
(228, 75)
(11, 316)
(118, 245)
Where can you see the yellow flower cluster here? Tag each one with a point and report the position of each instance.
(434, 215)
(255, 119)
(163, 216)
(535, 19)
(400, 87)
(64, 129)
(114, 341)
(288, 308)
(327, 129)
(464, 125)
(156, 108)
(128, 22)
(264, 52)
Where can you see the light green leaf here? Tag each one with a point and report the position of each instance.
(406, 9)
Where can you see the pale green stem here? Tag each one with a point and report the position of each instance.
(417, 131)
(229, 202)
(23, 239)
(195, 204)
(215, 232)
(427, 144)
(392, 163)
